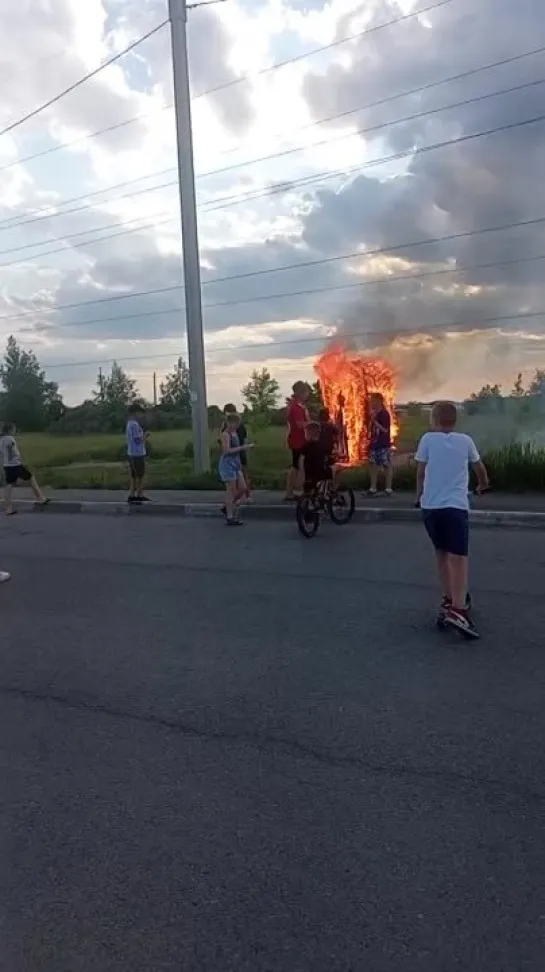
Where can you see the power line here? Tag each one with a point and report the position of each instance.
(99, 239)
(80, 138)
(74, 236)
(389, 335)
(82, 80)
(381, 280)
(325, 47)
(202, 94)
(288, 185)
(408, 93)
(372, 128)
(13, 222)
(79, 209)
(376, 251)
(307, 180)
(161, 312)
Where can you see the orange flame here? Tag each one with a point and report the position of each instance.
(347, 380)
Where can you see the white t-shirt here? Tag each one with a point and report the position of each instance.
(10, 454)
(447, 456)
(136, 442)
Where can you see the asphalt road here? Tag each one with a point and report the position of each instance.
(240, 751)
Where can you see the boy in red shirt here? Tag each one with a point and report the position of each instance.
(297, 419)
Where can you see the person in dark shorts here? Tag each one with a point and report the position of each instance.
(15, 471)
(329, 433)
(380, 445)
(444, 457)
(136, 455)
(315, 462)
(297, 419)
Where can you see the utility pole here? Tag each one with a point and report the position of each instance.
(155, 389)
(190, 238)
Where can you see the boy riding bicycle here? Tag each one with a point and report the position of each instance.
(316, 461)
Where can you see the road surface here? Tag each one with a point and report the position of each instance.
(240, 751)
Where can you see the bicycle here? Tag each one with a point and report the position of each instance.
(338, 502)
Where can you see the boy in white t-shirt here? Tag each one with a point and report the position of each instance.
(442, 480)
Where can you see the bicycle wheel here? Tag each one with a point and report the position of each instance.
(308, 517)
(341, 505)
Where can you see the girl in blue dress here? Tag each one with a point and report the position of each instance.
(230, 467)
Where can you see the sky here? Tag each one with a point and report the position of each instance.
(370, 171)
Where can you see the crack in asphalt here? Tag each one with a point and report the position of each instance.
(271, 744)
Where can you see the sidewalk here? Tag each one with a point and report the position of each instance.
(493, 509)
(531, 502)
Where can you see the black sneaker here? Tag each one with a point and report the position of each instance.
(232, 521)
(462, 622)
(143, 499)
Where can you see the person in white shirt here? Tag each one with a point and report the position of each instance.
(15, 471)
(136, 454)
(442, 482)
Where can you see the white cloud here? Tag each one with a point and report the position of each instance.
(434, 194)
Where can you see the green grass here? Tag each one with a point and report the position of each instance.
(98, 462)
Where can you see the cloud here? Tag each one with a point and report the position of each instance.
(287, 288)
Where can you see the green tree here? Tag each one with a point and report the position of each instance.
(537, 384)
(488, 399)
(175, 390)
(28, 399)
(519, 390)
(116, 390)
(261, 394)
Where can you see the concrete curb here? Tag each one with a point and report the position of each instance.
(515, 519)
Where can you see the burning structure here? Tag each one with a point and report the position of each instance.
(347, 380)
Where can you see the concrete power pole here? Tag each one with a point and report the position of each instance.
(190, 237)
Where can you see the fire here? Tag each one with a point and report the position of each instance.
(347, 380)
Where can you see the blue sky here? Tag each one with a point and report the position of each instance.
(320, 120)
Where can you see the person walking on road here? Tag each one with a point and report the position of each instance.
(15, 471)
(136, 453)
(297, 419)
(230, 468)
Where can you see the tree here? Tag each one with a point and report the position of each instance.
(28, 400)
(537, 384)
(519, 390)
(175, 390)
(489, 398)
(116, 390)
(261, 394)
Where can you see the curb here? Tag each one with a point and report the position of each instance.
(515, 519)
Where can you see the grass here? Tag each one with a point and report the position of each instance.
(98, 461)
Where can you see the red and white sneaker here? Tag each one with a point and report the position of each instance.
(456, 618)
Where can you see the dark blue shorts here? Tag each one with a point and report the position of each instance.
(448, 530)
